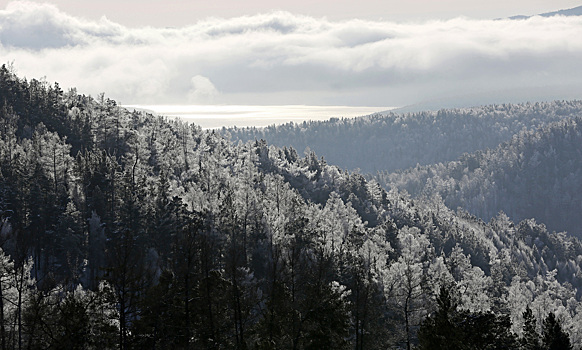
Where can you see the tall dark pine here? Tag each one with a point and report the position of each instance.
(438, 331)
(554, 337)
(454, 329)
(530, 339)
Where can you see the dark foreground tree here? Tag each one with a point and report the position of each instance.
(438, 331)
(554, 337)
(530, 339)
(453, 329)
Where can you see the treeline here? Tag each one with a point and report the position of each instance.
(129, 231)
(534, 175)
(393, 142)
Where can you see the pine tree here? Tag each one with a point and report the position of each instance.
(554, 337)
(438, 331)
(453, 329)
(530, 338)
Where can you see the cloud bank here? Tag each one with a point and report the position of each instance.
(283, 58)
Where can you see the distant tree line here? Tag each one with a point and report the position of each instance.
(393, 141)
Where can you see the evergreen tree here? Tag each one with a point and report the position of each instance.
(554, 337)
(530, 338)
(459, 329)
(438, 331)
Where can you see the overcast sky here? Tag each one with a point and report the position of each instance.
(374, 53)
(178, 13)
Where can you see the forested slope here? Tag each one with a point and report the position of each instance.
(538, 174)
(399, 141)
(129, 231)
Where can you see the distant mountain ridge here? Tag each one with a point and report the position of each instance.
(576, 11)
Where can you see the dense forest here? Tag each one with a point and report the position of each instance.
(390, 142)
(538, 173)
(125, 230)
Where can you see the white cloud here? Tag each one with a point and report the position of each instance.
(202, 91)
(284, 58)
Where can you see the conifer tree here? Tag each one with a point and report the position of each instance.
(554, 337)
(530, 338)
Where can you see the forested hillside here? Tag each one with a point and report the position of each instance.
(538, 174)
(399, 141)
(128, 231)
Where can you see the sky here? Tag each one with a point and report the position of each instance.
(344, 53)
(179, 13)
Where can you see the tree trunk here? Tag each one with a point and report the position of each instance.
(406, 320)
